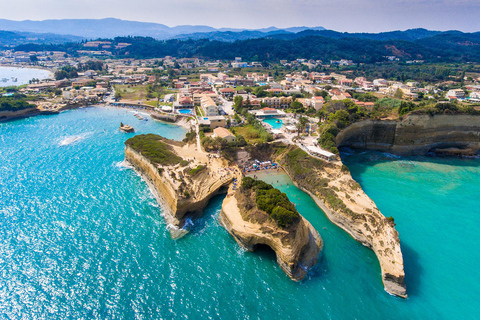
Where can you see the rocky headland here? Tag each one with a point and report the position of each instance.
(343, 200)
(416, 134)
(296, 243)
(182, 178)
(35, 111)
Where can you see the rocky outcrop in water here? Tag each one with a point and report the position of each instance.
(416, 135)
(297, 247)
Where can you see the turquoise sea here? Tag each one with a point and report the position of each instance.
(81, 236)
(23, 75)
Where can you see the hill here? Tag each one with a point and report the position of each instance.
(10, 38)
(111, 27)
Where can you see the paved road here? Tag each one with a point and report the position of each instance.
(227, 106)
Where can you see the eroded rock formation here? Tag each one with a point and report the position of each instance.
(297, 247)
(346, 205)
(416, 135)
(183, 188)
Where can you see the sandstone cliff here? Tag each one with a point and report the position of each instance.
(415, 135)
(183, 188)
(346, 205)
(297, 248)
(24, 113)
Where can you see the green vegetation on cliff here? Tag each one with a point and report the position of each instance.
(272, 201)
(304, 170)
(196, 170)
(152, 148)
(341, 114)
(14, 103)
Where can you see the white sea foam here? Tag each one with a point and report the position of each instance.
(123, 165)
(74, 139)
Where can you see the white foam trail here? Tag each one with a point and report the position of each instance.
(123, 165)
(72, 139)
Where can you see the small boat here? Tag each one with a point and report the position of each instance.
(126, 128)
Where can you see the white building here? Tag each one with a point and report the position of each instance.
(316, 151)
(455, 94)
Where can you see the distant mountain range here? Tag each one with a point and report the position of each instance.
(260, 45)
(10, 38)
(110, 28)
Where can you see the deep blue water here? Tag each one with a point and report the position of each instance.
(82, 237)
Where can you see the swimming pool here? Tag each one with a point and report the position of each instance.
(185, 111)
(273, 122)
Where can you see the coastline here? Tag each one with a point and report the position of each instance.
(359, 217)
(181, 123)
(188, 196)
(297, 250)
(28, 67)
(6, 116)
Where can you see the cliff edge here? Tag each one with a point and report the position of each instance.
(346, 205)
(416, 135)
(183, 186)
(296, 243)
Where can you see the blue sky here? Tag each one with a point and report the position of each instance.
(341, 15)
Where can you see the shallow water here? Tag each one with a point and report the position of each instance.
(82, 237)
(23, 75)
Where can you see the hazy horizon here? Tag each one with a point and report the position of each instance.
(343, 15)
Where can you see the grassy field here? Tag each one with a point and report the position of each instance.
(139, 92)
(129, 92)
(250, 133)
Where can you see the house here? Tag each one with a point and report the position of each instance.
(474, 96)
(80, 82)
(455, 94)
(184, 102)
(212, 122)
(268, 113)
(209, 107)
(314, 102)
(346, 82)
(380, 83)
(316, 151)
(224, 134)
(227, 92)
(278, 102)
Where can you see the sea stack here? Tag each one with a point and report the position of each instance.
(258, 214)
